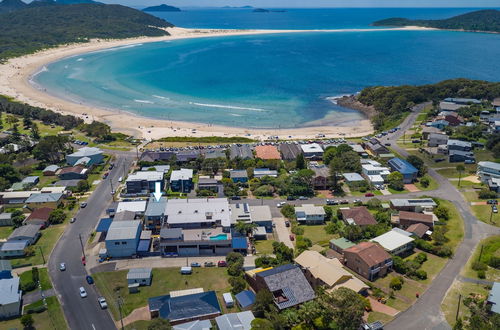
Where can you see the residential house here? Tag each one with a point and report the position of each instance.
(359, 216)
(406, 219)
(5, 269)
(375, 174)
(321, 271)
(438, 123)
(289, 151)
(155, 213)
(206, 183)
(241, 151)
(449, 106)
(427, 131)
(402, 166)
(340, 244)
(94, 156)
(419, 230)
(267, 152)
(13, 249)
(312, 151)
(142, 276)
(487, 170)
(184, 156)
(10, 298)
(368, 259)
(51, 200)
(395, 242)
(137, 207)
(259, 214)
(6, 219)
(456, 156)
(185, 307)
(30, 181)
(29, 233)
(235, 321)
(198, 213)
(494, 298)
(437, 139)
(158, 168)
(494, 184)
(287, 284)
(15, 197)
(259, 173)
(73, 173)
(122, 238)
(459, 145)
(310, 214)
(352, 177)
(53, 190)
(375, 147)
(125, 216)
(193, 325)
(238, 176)
(413, 205)
(214, 153)
(462, 100)
(321, 178)
(51, 170)
(181, 180)
(155, 156)
(452, 118)
(39, 217)
(245, 299)
(144, 182)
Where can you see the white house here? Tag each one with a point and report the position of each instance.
(312, 151)
(122, 238)
(310, 214)
(10, 298)
(395, 242)
(488, 170)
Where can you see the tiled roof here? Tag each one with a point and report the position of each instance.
(371, 253)
(418, 229)
(360, 215)
(414, 216)
(267, 152)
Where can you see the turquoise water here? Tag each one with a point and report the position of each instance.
(220, 237)
(268, 81)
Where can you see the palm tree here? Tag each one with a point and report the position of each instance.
(245, 228)
(460, 168)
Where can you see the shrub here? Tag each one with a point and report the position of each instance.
(28, 286)
(425, 182)
(442, 213)
(478, 265)
(443, 251)
(288, 211)
(494, 262)
(487, 194)
(481, 274)
(421, 274)
(396, 283)
(297, 230)
(374, 204)
(421, 258)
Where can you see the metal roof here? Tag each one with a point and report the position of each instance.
(342, 243)
(44, 198)
(352, 177)
(194, 325)
(392, 240)
(30, 231)
(185, 307)
(239, 243)
(494, 298)
(122, 230)
(14, 245)
(238, 174)
(139, 273)
(156, 208)
(402, 166)
(134, 206)
(182, 174)
(86, 151)
(145, 176)
(245, 298)
(9, 291)
(198, 210)
(235, 321)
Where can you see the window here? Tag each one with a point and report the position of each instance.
(124, 243)
(117, 243)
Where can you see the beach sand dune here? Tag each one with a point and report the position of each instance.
(16, 74)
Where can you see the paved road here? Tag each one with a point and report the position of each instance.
(83, 313)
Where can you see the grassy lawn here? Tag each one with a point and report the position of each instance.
(52, 318)
(432, 266)
(394, 191)
(6, 231)
(377, 316)
(405, 297)
(433, 185)
(317, 234)
(46, 242)
(164, 281)
(264, 246)
(449, 304)
(491, 247)
(483, 213)
(43, 275)
(138, 325)
(455, 225)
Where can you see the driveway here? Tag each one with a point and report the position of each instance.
(282, 232)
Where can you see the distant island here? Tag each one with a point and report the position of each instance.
(161, 8)
(476, 21)
(262, 10)
(13, 5)
(34, 28)
(242, 7)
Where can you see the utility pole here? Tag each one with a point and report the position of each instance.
(480, 253)
(458, 306)
(491, 214)
(124, 171)
(119, 301)
(81, 244)
(41, 252)
(112, 190)
(137, 151)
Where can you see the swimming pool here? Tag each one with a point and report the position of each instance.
(219, 237)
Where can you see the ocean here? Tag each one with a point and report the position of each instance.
(270, 81)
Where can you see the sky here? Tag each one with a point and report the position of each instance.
(312, 3)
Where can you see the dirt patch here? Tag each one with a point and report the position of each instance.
(411, 188)
(136, 315)
(472, 178)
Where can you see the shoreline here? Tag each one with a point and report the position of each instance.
(17, 73)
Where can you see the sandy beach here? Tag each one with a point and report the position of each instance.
(17, 72)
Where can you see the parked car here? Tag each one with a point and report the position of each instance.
(290, 198)
(292, 238)
(492, 201)
(208, 264)
(195, 264)
(331, 202)
(62, 266)
(287, 223)
(102, 302)
(221, 263)
(236, 198)
(303, 198)
(438, 160)
(83, 205)
(72, 220)
(280, 204)
(495, 209)
(469, 161)
(344, 201)
(83, 293)
(89, 279)
(111, 166)
(369, 194)
(105, 175)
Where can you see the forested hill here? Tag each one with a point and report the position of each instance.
(27, 30)
(481, 20)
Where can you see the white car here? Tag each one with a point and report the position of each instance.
(62, 266)
(72, 220)
(102, 302)
(280, 204)
(83, 293)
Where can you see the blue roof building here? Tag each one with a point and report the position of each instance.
(245, 299)
(494, 298)
(402, 166)
(185, 308)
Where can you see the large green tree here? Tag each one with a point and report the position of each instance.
(52, 148)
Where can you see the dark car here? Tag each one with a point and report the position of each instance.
(287, 223)
(492, 201)
(111, 166)
(236, 198)
(331, 202)
(290, 198)
(89, 279)
(369, 195)
(221, 263)
(344, 201)
(292, 238)
(438, 160)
